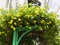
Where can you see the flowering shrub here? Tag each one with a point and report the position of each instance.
(29, 17)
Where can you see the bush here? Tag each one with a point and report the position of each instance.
(29, 17)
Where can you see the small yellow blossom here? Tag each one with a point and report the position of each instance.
(27, 23)
(50, 22)
(0, 33)
(42, 15)
(10, 22)
(30, 8)
(42, 10)
(34, 21)
(42, 21)
(37, 8)
(14, 28)
(37, 12)
(56, 33)
(3, 19)
(8, 14)
(17, 15)
(13, 17)
(19, 19)
(28, 16)
(15, 23)
(40, 28)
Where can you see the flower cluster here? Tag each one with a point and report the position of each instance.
(28, 17)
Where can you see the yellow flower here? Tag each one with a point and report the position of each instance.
(34, 21)
(30, 8)
(17, 15)
(3, 19)
(27, 23)
(56, 33)
(28, 16)
(37, 12)
(50, 22)
(13, 17)
(40, 28)
(8, 14)
(19, 19)
(0, 33)
(14, 28)
(15, 23)
(38, 7)
(42, 10)
(42, 21)
(10, 22)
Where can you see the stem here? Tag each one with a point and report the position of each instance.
(15, 37)
(22, 36)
